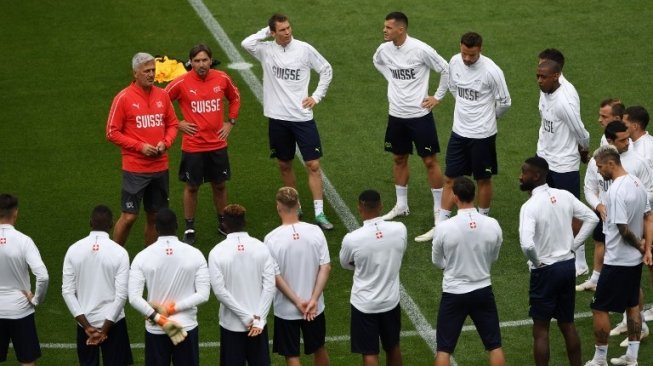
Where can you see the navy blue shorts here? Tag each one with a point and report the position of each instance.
(454, 309)
(401, 133)
(116, 350)
(475, 157)
(366, 329)
(286, 335)
(151, 188)
(202, 167)
(552, 292)
(617, 289)
(159, 350)
(284, 135)
(22, 334)
(569, 181)
(598, 234)
(236, 348)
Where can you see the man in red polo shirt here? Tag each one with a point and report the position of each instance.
(143, 123)
(201, 93)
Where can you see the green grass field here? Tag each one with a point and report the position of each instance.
(64, 61)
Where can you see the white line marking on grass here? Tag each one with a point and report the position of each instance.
(408, 305)
(345, 338)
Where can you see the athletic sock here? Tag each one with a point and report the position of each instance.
(633, 350)
(437, 199)
(444, 215)
(402, 196)
(600, 352)
(484, 211)
(595, 277)
(319, 207)
(190, 224)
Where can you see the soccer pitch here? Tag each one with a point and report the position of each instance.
(64, 61)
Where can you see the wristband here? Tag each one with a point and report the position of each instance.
(232, 121)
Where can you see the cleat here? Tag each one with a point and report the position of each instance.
(648, 315)
(323, 222)
(624, 360)
(427, 236)
(580, 272)
(624, 343)
(189, 237)
(396, 211)
(619, 329)
(596, 363)
(586, 286)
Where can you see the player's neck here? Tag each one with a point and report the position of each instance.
(635, 135)
(400, 40)
(289, 219)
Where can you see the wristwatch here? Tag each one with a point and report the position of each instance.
(232, 121)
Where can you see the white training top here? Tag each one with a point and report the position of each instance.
(286, 74)
(570, 89)
(626, 203)
(594, 186)
(545, 225)
(407, 69)
(465, 246)
(374, 252)
(17, 253)
(481, 96)
(299, 250)
(561, 131)
(242, 277)
(95, 275)
(174, 272)
(644, 147)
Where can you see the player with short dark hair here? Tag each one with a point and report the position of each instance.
(465, 247)
(142, 122)
(18, 256)
(204, 156)
(242, 277)
(374, 252)
(406, 63)
(637, 118)
(287, 64)
(95, 275)
(547, 240)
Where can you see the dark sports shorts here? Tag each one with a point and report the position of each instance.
(152, 188)
(569, 181)
(467, 156)
(284, 135)
(598, 234)
(116, 350)
(237, 349)
(366, 329)
(454, 309)
(286, 335)
(202, 167)
(401, 133)
(552, 292)
(22, 334)
(617, 289)
(159, 350)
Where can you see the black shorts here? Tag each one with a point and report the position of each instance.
(617, 289)
(286, 335)
(454, 309)
(284, 135)
(366, 329)
(116, 350)
(598, 234)
(159, 350)
(152, 188)
(552, 292)
(22, 334)
(569, 181)
(467, 156)
(401, 133)
(203, 167)
(237, 349)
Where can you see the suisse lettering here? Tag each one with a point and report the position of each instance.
(286, 74)
(403, 74)
(149, 120)
(469, 94)
(205, 106)
(548, 126)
